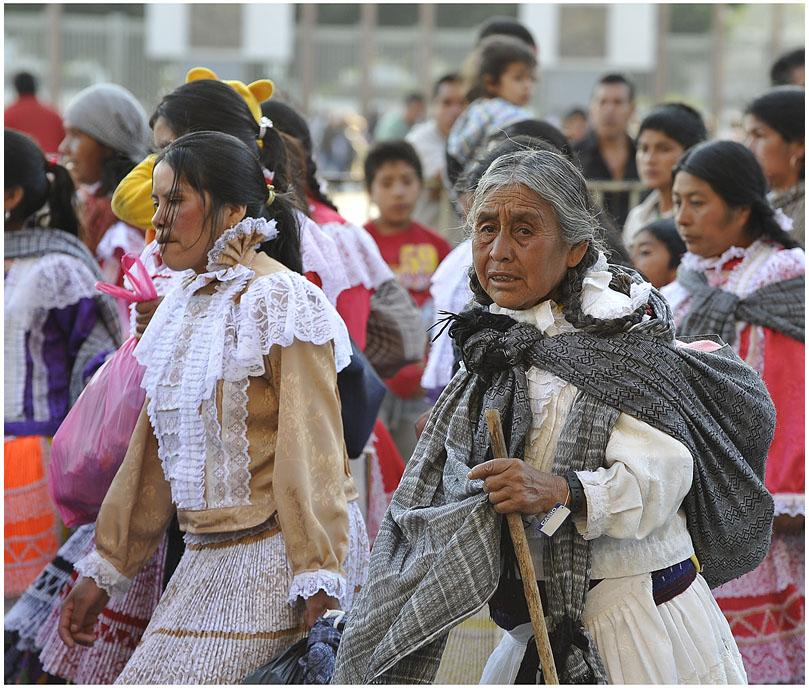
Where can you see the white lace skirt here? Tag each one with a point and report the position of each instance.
(224, 613)
(684, 640)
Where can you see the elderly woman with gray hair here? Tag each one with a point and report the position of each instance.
(645, 439)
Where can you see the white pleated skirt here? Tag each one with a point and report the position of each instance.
(683, 641)
(224, 613)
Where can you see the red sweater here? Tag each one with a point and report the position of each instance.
(39, 121)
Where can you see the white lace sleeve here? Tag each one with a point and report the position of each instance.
(319, 254)
(281, 307)
(306, 584)
(105, 575)
(361, 257)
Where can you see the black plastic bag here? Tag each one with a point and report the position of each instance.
(282, 669)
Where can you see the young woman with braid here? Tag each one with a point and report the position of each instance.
(240, 435)
(743, 279)
(605, 413)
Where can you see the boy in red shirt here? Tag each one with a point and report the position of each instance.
(393, 178)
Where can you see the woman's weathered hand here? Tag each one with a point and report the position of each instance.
(80, 612)
(316, 606)
(513, 485)
(143, 314)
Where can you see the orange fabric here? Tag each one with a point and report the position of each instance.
(30, 528)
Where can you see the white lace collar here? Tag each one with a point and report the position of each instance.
(235, 243)
(691, 261)
(597, 299)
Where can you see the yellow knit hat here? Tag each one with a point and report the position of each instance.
(253, 94)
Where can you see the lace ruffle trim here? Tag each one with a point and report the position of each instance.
(105, 575)
(319, 254)
(52, 281)
(234, 243)
(790, 504)
(307, 584)
(697, 263)
(361, 257)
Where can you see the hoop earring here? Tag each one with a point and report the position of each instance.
(8, 215)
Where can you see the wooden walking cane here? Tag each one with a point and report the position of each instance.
(529, 577)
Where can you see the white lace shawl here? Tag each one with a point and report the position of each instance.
(195, 340)
(32, 288)
(362, 261)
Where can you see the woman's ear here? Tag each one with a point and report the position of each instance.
(12, 197)
(234, 214)
(576, 253)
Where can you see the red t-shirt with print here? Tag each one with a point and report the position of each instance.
(413, 255)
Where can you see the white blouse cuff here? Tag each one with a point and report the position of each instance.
(307, 584)
(105, 575)
(592, 526)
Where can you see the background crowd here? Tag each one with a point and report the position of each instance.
(654, 176)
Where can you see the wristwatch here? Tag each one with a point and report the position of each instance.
(576, 491)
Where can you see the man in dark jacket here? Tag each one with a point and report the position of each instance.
(608, 152)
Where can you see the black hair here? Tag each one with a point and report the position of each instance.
(212, 105)
(390, 151)
(26, 167)
(25, 83)
(540, 129)
(287, 120)
(614, 78)
(782, 109)
(782, 68)
(575, 112)
(678, 121)
(225, 168)
(415, 97)
(490, 59)
(665, 231)
(452, 78)
(505, 26)
(114, 168)
(734, 174)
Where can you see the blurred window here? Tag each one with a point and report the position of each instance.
(583, 31)
(215, 26)
(465, 15)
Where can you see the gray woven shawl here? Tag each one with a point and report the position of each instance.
(436, 560)
(780, 306)
(106, 335)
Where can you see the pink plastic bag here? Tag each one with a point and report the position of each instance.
(92, 440)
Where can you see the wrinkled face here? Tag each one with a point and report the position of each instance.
(655, 157)
(780, 160)
(82, 155)
(395, 189)
(518, 251)
(163, 133)
(180, 221)
(448, 105)
(704, 221)
(611, 109)
(651, 256)
(516, 84)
